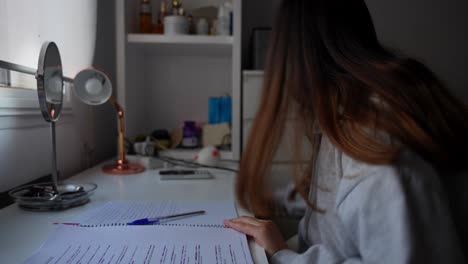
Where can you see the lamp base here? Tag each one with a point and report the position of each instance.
(123, 167)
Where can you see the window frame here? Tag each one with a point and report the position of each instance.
(22, 103)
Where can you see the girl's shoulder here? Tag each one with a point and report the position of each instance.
(409, 177)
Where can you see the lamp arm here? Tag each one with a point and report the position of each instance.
(121, 127)
(123, 166)
(115, 104)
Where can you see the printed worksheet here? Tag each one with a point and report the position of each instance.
(144, 244)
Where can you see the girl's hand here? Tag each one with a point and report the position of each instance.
(265, 232)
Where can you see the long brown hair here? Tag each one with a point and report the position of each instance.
(327, 69)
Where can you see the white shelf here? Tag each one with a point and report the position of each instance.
(185, 45)
(183, 39)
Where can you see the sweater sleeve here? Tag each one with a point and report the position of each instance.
(315, 254)
(393, 215)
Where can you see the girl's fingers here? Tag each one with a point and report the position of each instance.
(242, 227)
(247, 220)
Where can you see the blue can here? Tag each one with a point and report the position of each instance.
(214, 110)
(226, 110)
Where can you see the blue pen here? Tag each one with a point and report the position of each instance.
(157, 220)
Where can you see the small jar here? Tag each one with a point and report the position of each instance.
(175, 25)
(190, 137)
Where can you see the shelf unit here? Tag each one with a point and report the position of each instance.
(165, 80)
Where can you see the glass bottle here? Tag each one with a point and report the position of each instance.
(159, 29)
(191, 22)
(222, 26)
(176, 5)
(146, 24)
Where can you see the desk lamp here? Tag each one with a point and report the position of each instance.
(93, 87)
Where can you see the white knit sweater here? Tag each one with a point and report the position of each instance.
(375, 214)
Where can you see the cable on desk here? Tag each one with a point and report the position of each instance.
(181, 162)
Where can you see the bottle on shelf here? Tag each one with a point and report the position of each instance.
(176, 7)
(159, 28)
(202, 27)
(229, 9)
(223, 21)
(214, 27)
(191, 25)
(146, 24)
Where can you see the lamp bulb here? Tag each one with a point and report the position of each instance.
(93, 86)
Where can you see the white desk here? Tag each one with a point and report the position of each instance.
(22, 232)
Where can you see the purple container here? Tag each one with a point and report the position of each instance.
(190, 130)
(190, 138)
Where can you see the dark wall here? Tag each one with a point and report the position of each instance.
(255, 13)
(104, 129)
(434, 31)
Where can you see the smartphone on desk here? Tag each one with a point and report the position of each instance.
(185, 175)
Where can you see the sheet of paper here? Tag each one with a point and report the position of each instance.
(127, 211)
(144, 244)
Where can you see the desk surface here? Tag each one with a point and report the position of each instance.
(23, 232)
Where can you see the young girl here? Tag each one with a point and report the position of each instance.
(389, 145)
